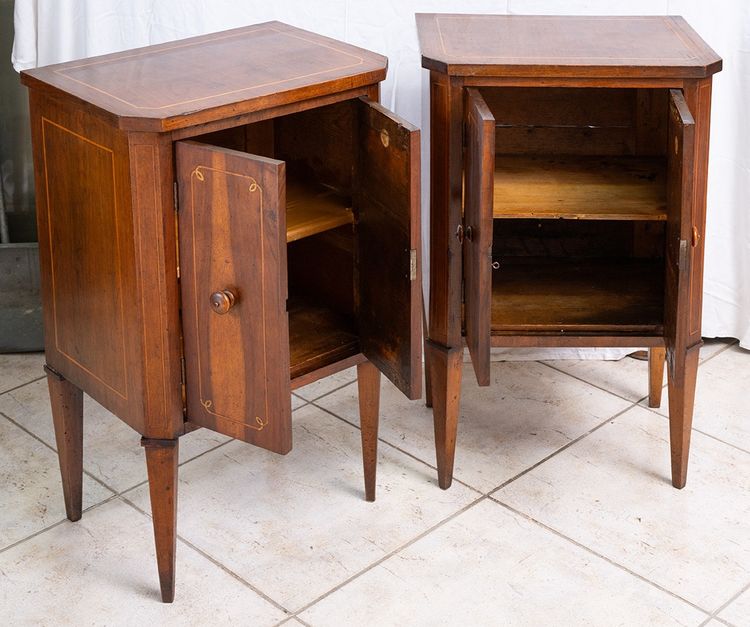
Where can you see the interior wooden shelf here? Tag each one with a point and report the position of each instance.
(312, 209)
(580, 188)
(318, 336)
(553, 296)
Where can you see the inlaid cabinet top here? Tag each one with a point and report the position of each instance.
(195, 80)
(564, 46)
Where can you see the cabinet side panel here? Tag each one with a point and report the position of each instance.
(92, 327)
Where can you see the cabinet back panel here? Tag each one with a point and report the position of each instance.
(578, 121)
(321, 268)
(256, 138)
(319, 144)
(577, 238)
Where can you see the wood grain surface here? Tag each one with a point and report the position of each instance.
(200, 79)
(580, 188)
(544, 45)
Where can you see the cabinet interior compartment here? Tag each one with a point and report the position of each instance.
(318, 147)
(580, 209)
(322, 328)
(584, 277)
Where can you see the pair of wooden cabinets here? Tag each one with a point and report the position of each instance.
(225, 218)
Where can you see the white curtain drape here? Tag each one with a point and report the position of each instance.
(51, 31)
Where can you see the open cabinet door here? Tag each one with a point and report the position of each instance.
(679, 220)
(478, 189)
(387, 227)
(232, 237)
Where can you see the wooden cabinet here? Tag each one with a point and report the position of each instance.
(222, 219)
(568, 169)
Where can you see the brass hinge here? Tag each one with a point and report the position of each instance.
(176, 202)
(412, 264)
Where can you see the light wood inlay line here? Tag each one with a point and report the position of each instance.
(253, 187)
(149, 154)
(357, 62)
(46, 121)
(486, 57)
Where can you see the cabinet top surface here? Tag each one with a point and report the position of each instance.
(564, 46)
(204, 78)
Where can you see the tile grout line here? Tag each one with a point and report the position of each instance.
(187, 461)
(639, 402)
(395, 551)
(400, 450)
(734, 342)
(33, 535)
(505, 483)
(294, 615)
(641, 399)
(704, 433)
(561, 449)
(726, 604)
(18, 387)
(92, 475)
(596, 553)
(54, 450)
(214, 561)
(115, 493)
(317, 398)
(593, 385)
(58, 523)
(287, 621)
(721, 621)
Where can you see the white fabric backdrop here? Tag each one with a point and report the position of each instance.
(51, 31)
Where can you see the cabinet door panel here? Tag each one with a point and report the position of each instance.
(477, 249)
(679, 217)
(232, 235)
(387, 225)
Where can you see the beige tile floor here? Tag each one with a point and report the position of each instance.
(561, 513)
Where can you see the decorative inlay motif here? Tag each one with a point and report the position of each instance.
(253, 187)
(118, 387)
(484, 56)
(348, 61)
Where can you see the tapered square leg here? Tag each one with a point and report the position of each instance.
(368, 381)
(656, 358)
(683, 372)
(67, 415)
(445, 368)
(161, 461)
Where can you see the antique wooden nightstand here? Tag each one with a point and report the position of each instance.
(568, 197)
(222, 219)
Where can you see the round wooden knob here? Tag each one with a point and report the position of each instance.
(222, 301)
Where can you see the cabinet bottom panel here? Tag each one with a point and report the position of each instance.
(600, 296)
(318, 337)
